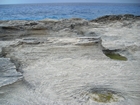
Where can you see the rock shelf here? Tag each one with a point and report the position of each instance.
(63, 62)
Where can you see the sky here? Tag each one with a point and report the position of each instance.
(66, 1)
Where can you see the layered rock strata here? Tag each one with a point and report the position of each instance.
(63, 61)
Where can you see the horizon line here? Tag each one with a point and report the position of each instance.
(68, 3)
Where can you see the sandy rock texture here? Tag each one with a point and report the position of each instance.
(64, 62)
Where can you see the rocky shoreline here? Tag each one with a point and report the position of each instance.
(66, 61)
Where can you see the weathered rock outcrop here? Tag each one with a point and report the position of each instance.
(16, 29)
(64, 62)
(109, 18)
(8, 73)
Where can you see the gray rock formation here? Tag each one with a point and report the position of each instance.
(109, 18)
(64, 62)
(8, 73)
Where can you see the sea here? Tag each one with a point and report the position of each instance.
(86, 11)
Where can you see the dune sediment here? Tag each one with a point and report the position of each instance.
(64, 61)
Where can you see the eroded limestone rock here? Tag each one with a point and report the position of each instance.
(8, 73)
(63, 62)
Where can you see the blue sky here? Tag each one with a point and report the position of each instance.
(57, 1)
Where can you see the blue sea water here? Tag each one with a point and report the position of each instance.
(87, 11)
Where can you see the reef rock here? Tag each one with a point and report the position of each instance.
(71, 61)
(8, 73)
(109, 18)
